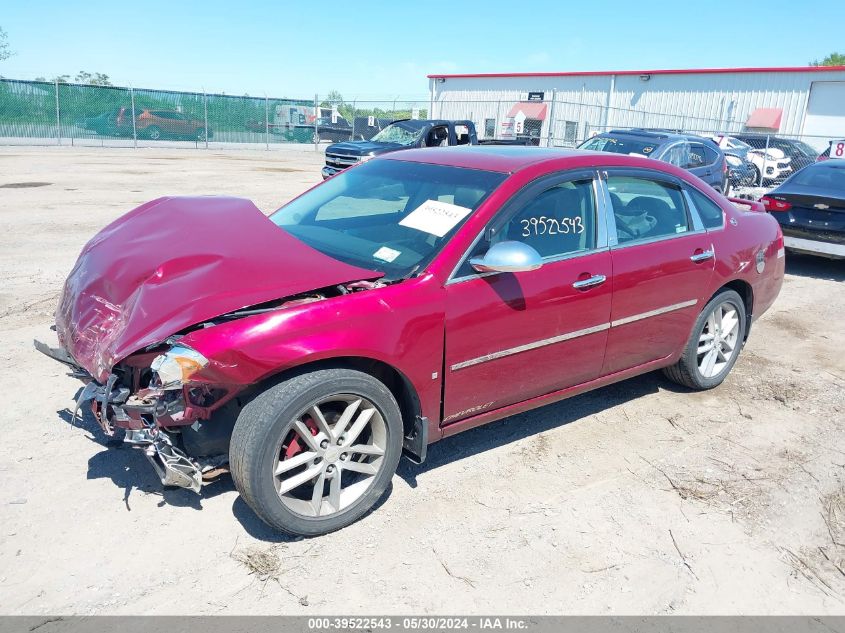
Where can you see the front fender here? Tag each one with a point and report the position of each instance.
(401, 325)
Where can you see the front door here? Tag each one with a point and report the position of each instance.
(662, 264)
(514, 336)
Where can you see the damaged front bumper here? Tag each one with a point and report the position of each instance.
(173, 467)
(142, 416)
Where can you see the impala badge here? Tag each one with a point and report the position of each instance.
(821, 206)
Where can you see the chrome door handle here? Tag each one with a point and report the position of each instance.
(595, 280)
(703, 256)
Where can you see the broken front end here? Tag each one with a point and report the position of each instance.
(183, 428)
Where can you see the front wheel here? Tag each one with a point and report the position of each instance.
(153, 133)
(314, 453)
(200, 134)
(714, 345)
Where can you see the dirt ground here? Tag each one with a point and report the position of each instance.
(637, 498)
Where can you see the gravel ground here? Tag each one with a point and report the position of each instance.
(636, 498)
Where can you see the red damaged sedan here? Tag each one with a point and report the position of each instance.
(402, 301)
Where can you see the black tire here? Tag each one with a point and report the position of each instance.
(315, 137)
(199, 134)
(686, 371)
(756, 182)
(268, 418)
(154, 133)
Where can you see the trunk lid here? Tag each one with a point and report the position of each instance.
(817, 216)
(175, 262)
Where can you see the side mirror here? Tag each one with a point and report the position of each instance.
(507, 257)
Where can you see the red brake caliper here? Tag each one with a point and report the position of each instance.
(295, 447)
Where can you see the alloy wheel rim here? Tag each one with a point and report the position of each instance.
(718, 340)
(330, 455)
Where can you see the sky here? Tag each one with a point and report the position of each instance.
(386, 49)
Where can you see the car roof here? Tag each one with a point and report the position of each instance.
(513, 158)
(652, 134)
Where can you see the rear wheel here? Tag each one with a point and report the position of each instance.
(714, 345)
(199, 134)
(314, 453)
(153, 133)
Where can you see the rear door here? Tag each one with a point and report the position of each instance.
(514, 336)
(662, 261)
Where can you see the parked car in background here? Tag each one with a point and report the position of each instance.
(770, 165)
(116, 122)
(741, 173)
(419, 295)
(333, 131)
(399, 135)
(696, 154)
(155, 124)
(799, 153)
(810, 208)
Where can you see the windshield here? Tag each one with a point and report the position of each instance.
(387, 215)
(619, 145)
(400, 133)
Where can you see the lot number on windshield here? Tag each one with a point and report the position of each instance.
(435, 217)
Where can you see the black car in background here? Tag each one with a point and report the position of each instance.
(800, 153)
(810, 208)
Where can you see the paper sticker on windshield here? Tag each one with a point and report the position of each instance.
(386, 254)
(435, 217)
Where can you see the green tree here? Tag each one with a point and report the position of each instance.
(5, 52)
(834, 59)
(92, 79)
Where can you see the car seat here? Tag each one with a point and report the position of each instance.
(667, 220)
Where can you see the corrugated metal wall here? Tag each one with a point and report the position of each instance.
(694, 101)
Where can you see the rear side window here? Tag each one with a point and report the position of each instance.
(697, 156)
(710, 212)
(646, 209)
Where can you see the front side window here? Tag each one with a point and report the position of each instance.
(387, 215)
(646, 209)
(558, 221)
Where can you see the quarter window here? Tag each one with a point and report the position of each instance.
(646, 209)
(710, 212)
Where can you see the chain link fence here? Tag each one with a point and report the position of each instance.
(33, 112)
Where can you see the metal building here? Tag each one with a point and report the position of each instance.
(565, 108)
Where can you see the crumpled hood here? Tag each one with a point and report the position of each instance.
(175, 262)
